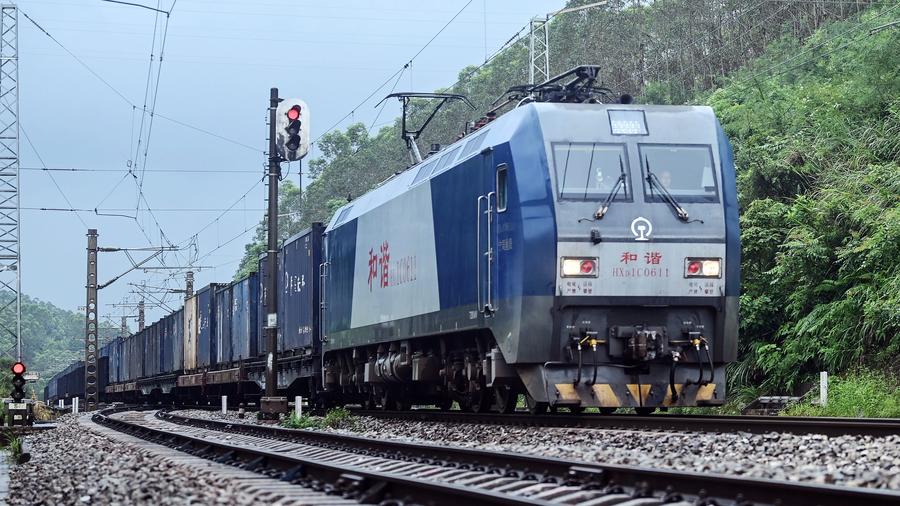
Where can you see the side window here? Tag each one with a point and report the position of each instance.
(502, 175)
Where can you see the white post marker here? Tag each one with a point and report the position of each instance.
(60, 403)
(823, 388)
(298, 405)
(75, 405)
(224, 404)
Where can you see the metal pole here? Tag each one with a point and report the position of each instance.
(188, 285)
(141, 315)
(91, 386)
(272, 405)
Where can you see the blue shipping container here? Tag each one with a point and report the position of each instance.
(243, 318)
(178, 340)
(206, 334)
(298, 309)
(224, 308)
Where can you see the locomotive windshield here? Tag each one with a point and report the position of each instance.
(589, 170)
(686, 172)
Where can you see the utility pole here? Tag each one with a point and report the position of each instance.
(188, 285)
(271, 405)
(91, 384)
(141, 315)
(91, 387)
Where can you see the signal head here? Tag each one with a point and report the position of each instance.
(294, 113)
(18, 368)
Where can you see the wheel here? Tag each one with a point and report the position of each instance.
(444, 404)
(534, 407)
(388, 399)
(505, 397)
(370, 403)
(479, 397)
(644, 411)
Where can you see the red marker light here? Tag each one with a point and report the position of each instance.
(694, 267)
(587, 266)
(293, 113)
(18, 368)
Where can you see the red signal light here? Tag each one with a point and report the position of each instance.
(18, 368)
(293, 113)
(694, 267)
(587, 266)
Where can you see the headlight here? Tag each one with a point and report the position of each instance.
(702, 267)
(579, 267)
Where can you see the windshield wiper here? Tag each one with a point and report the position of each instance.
(620, 183)
(654, 181)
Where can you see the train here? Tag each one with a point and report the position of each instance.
(572, 252)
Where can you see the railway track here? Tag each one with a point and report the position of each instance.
(701, 423)
(374, 471)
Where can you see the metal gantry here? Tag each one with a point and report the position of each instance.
(10, 259)
(539, 50)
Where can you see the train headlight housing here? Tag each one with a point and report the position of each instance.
(579, 267)
(703, 267)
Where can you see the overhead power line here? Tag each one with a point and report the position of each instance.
(125, 98)
(394, 75)
(150, 171)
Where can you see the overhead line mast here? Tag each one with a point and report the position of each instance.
(10, 255)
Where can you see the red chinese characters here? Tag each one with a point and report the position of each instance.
(651, 258)
(385, 263)
(373, 267)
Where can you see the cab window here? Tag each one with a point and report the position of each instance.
(590, 171)
(685, 171)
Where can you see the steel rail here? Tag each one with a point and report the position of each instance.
(876, 427)
(345, 480)
(667, 485)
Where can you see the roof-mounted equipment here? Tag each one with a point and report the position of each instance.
(409, 136)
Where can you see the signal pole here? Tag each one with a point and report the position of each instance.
(271, 405)
(91, 385)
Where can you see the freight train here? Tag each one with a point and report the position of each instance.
(574, 252)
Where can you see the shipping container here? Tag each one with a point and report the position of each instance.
(177, 344)
(206, 343)
(164, 351)
(262, 345)
(190, 333)
(223, 309)
(243, 317)
(298, 303)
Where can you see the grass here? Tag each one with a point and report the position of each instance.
(336, 418)
(863, 394)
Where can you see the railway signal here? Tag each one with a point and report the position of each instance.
(292, 129)
(18, 410)
(18, 382)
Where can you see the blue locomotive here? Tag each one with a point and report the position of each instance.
(579, 251)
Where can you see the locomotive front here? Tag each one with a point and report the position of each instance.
(645, 306)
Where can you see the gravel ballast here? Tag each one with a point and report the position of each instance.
(73, 465)
(858, 461)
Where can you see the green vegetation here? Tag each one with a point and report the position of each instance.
(818, 149)
(336, 418)
(808, 92)
(860, 394)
